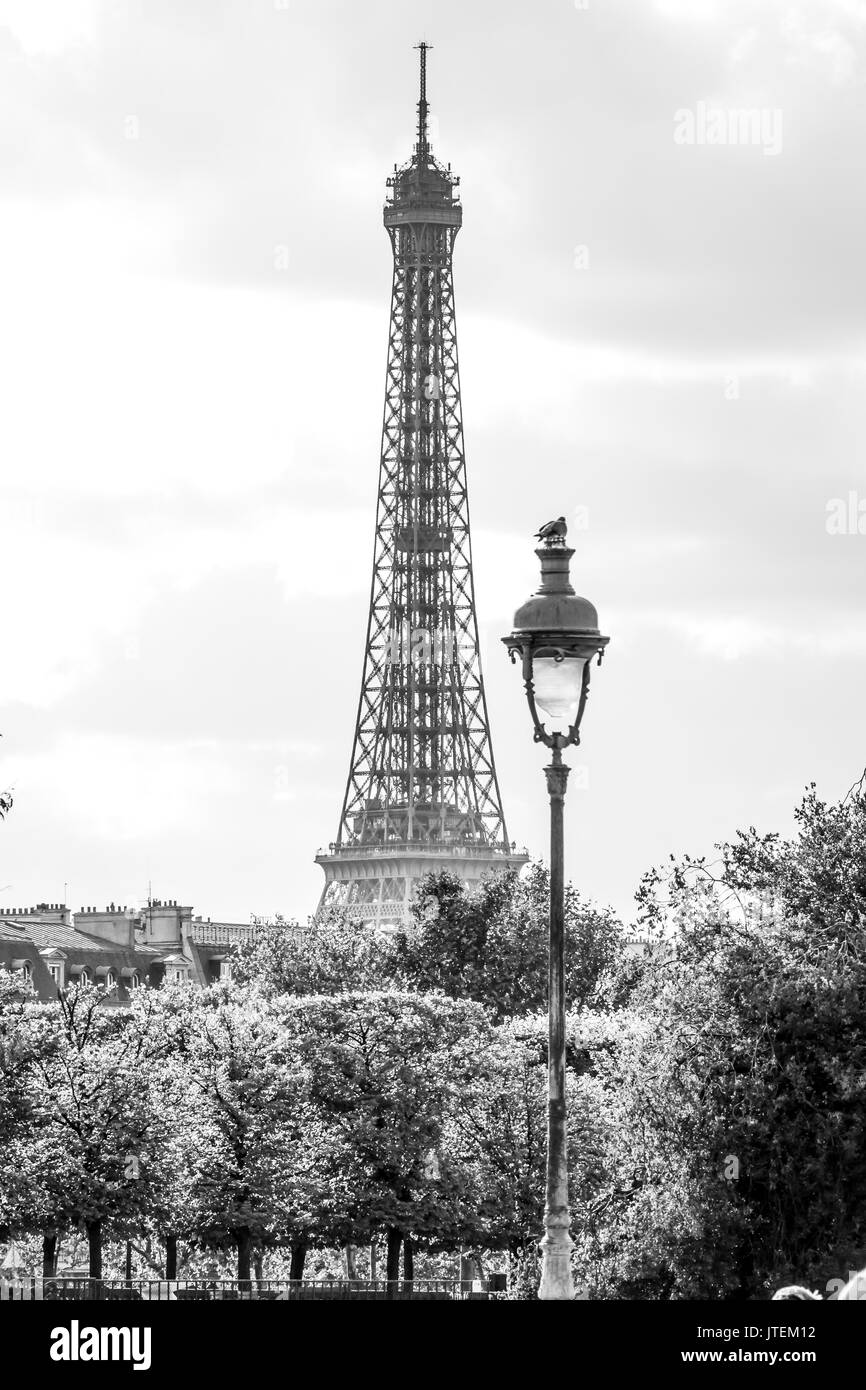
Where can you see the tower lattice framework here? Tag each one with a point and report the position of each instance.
(422, 791)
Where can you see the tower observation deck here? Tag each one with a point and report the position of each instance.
(422, 792)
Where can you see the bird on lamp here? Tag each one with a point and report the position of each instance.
(552, 529)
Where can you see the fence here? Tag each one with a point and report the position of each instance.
(20, 1289)
(265, 1290)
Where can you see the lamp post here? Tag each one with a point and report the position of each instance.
(556, 636)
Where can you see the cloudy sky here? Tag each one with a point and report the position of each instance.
(660, 334)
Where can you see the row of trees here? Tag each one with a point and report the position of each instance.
(232, 1118)
(347, 1085)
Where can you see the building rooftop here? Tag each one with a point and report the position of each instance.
(48, 943)
(66, 937)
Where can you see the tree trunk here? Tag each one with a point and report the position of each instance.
(244, 1244)
(299, 1255)
(408, 1260)
(171, 1257)
(349, 1262)
(258, 1263)
(49, 1253)
(94, 1247)
(746, 1275)
(127, 1273)
(392, 1260)
(372, 1259)
(523, 1270)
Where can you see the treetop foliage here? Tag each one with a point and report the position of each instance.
(349, 1082)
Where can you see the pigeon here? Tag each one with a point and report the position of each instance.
(551, 529)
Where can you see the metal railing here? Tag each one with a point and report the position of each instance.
(220, 934)
(77, 1288)
(439, 849)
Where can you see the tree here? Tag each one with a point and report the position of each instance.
(497, 1135)
(491, 944)
(91, 1114)
(386, 1069)
(245, 1150)
(21, 1043)
(327, 956)
(158, 1017)
(818, 878)
(756, 1003)
(652, 1211)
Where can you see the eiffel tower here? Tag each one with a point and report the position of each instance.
(422, 792)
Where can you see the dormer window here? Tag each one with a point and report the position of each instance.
(55, 962)
(176, 970)
(130, 978)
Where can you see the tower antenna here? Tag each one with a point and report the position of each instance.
(422, 104)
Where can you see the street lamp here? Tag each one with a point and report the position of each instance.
(556, 636)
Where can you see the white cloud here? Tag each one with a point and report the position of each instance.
(49, 26)
(75, 601)
(113, 788)
(812, 34)
(731, 637)
(132, 372)
(813, 46)
(121, 788)
(690, 11)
